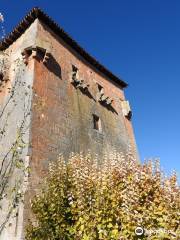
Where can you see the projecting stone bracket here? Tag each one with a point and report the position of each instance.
(126, 109)
(39, 53)
(103, 99)
(81, 84)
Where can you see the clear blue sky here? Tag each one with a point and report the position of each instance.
(139, 41)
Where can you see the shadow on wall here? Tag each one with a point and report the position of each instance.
(53, 66)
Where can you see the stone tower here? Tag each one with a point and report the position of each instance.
(54, 98)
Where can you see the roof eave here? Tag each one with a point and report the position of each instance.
(38, 13)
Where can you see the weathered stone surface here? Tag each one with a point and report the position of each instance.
(12, 111)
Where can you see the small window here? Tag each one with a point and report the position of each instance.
(97, 122)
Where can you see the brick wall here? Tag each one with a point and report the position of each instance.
(61, 120)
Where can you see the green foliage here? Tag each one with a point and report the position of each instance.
(86, 200)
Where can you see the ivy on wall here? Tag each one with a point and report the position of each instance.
(13, 167)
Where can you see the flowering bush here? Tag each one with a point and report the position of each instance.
(85, 200)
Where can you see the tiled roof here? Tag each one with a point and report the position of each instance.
(38, 13)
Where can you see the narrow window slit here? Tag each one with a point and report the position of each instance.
(97, 123)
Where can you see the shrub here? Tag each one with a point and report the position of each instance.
(87, 200)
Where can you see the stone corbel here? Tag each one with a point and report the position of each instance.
(109, 101)
(102, 98)
(25, 57)
(39, 53)
(81, 84)
(46, 57)
(126, 109)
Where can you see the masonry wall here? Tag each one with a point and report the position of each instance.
(15, 118)
(62, 118)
